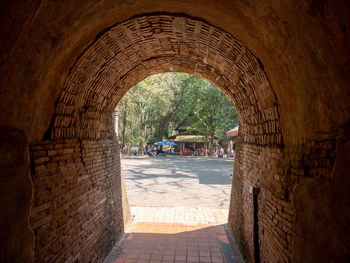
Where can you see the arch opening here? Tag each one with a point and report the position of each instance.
(195, 169)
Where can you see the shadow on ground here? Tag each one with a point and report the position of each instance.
(207, 170)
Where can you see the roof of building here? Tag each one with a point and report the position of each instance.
(189, 132)
(190, 138)
(232, 133)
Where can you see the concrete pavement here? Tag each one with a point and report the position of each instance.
(178, 181)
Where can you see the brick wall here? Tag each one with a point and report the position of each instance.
(77, 211)
(300, 193)
(261, 167)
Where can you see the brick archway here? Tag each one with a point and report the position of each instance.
(81, 132)
(126, 53)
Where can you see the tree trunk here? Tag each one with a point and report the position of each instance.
(211, 145)
(212, 135)
(161, 127)
(124, 123)
(129, 144)
(143, 135)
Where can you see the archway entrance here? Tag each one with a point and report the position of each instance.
(172, 132)
(178, 190)
(80, 148)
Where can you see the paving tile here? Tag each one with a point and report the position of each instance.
(204, 254)
(181, 252)
(158, 251)
(144, 256)
(169, 252)
(204, 249)
(192, 258)
(156, 257)
(180, 258)
(189, 215)
(216, 254)
(206, 243)
(132, 255)
(217, 260)
(168, 257)
(205, 259)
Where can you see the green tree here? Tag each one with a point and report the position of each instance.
(214, 113)
(155, 106)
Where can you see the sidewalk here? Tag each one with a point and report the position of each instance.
(186, 215)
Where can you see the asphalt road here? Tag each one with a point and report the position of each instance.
(178, 181)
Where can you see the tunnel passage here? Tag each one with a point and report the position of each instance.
(79, 206)
(301, 207)
(80, 149)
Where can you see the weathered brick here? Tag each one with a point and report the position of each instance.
(41, 160)
(65, 198)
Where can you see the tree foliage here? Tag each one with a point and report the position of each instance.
(152, 109)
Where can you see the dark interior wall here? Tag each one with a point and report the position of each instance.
(77, 211)
(16, 237)
(321, 200)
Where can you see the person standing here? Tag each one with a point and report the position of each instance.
(222, 151)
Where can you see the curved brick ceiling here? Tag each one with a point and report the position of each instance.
(127, 53)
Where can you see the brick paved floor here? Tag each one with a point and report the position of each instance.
(177, 214)
(173, 242)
